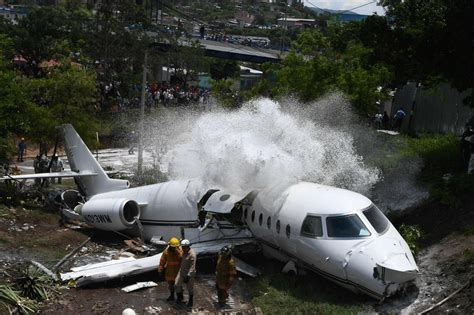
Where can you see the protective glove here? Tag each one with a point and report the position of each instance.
(186, 279)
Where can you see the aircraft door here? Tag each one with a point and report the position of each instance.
(310, 237)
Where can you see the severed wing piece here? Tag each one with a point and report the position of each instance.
(49, 175)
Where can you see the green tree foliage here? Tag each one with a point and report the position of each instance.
(222, 90)
(432, 41)
(67, 94)
(223, 69)
(316, 65)
(14, 104)
(39, 36)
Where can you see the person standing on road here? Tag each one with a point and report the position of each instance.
(170, 264)
(56, 166)
(399, 115)
(21, 150)
(186, 273)
(225, 274)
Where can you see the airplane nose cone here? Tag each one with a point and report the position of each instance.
(394, 254)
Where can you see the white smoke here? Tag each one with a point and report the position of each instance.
(262, 144)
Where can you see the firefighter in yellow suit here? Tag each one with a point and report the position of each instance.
(170, 263)
(225, 274)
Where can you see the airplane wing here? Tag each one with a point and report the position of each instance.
(49, 175)
(103, 271)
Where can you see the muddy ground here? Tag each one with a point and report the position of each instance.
(27, 232)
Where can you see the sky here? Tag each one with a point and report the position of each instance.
(347, 5)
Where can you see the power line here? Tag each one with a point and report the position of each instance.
(340, 12)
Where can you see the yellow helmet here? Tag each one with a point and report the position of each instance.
(173, 242)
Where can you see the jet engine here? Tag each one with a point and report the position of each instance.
(110, 214)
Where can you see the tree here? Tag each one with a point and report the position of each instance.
(221, 69)
(432, 41)
(38, 36)
(14, 102)
(67, 94)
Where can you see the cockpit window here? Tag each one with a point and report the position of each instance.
(312, 226)
(376, 218)
(346, 226)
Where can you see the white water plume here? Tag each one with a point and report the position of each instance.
(261, 144)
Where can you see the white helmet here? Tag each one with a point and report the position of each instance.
(185, 242)
(128, 311)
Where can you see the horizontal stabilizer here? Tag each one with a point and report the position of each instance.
(49, 175)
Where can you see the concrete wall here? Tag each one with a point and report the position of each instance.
(439, 109)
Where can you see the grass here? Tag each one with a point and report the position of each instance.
(283, 294)
(468, 255)
(443, 169)
(440, 154)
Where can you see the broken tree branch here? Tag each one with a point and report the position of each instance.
(446, 299)
(72, 253)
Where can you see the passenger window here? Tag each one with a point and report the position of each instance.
(278, 226)
(253, 216)
(260, 219)
(312, 227)
(288, 231)
(346, 226)
(269, 222)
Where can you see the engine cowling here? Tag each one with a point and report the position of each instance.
(111, 214)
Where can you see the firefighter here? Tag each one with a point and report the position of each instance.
(225, 274)
(170, 263)
(186, 273)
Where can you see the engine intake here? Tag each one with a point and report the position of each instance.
(111, 214)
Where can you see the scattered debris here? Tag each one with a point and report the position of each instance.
(137, 246)
(446, 299)
(153, 310)
(139, 285)
(245, 268)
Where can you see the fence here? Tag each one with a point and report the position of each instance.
(439, 109)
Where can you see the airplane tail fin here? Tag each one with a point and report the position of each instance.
(81, 160)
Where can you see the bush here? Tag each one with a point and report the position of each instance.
(412, 235)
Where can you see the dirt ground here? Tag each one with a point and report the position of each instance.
(36, 234)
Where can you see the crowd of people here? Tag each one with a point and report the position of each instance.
(170, 95)
(178, 267)
(156, 95)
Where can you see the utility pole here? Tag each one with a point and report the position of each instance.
(142, 115)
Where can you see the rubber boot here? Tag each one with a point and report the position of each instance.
(171, 297)
(179, 297)
(190, 301)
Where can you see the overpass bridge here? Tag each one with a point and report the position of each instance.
(226, 50)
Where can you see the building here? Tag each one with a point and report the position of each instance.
(249, 77)
(244, 18)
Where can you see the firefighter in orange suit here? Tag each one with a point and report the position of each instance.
(170, 263)
(225, 274)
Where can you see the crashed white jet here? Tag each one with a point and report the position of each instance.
(336, 233)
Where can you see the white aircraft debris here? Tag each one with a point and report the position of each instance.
(139, 285)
